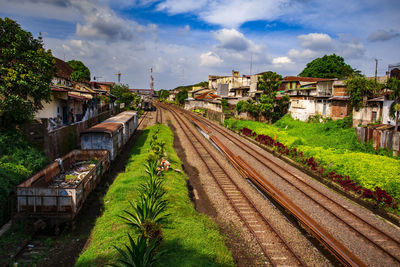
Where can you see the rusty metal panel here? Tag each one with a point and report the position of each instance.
(396, 141)
(376, 138)
(38, 199)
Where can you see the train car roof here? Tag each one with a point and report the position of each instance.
(104, 127)
(122, 117)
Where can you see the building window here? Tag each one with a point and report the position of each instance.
(58, 109)
(374, 113)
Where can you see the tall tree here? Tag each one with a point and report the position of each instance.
(359, 89)
(181, 96)
(269, 83)
(123, 94)
(163, 94)
(26, 71)
(394, 85)
(81, 72)
(331, 66)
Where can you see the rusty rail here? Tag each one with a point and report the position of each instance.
(337, 249)
(332, 201)
(285, 244)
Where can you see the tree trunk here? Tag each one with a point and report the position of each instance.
(397, 121)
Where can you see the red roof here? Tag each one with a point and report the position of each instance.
(58, 89)
(303, 79)
(63, 69)
(207, 95)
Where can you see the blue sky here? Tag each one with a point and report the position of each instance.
(185, 41)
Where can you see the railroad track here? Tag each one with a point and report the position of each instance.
(388, 246)
(273, 245)
(159, 115)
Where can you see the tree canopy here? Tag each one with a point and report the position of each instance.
(81, 72)
(26, 71)
(122, 93)
(181, 96)
(359, 88)
(163, 94)
(331, 66)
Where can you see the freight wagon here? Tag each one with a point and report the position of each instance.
(112, 134)
(57, 193)
(128, 120)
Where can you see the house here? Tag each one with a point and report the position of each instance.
(102, 86)
(340, 101)
(70, 101)
(230, 86)
(394, 71)
(308, 96)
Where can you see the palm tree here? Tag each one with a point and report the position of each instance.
(394, 85)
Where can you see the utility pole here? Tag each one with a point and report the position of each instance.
(376, 69)
(119, 77)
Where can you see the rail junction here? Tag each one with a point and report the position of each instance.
(353, 235)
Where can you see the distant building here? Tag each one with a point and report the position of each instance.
(394, 71)
(142, 91)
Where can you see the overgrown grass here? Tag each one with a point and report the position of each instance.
(190, 238)
(335, 146)
(18, 160)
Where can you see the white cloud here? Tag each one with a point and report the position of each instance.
(281, 60)
(231, 39)
(228, 13)
(210, 59)
(315, 41)
(177, 6)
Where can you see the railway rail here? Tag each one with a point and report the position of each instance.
(387, 245)
(273, 245)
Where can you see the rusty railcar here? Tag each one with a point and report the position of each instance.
(106, 135)
(129, 122)
(43, 196)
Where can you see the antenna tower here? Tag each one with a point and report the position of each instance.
(151, 80)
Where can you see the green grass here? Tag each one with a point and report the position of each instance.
(335, 146)
(191, 239)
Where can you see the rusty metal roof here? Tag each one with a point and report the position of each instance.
(105, 127)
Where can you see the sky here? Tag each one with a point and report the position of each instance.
(184, 41)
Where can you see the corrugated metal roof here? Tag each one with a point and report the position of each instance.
(106, 127)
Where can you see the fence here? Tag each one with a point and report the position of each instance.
(381, 137)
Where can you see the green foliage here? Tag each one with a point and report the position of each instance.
(123, 95)
(26, 71)
(394, 85)
(18, 160)
(141, 253)
(163, 94)
(335, 145)
(181, 96)
(358, 88)
(241, 106)
(81, 72)
(267, 105)
(331, 66)
(224, 104)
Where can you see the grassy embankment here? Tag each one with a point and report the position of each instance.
(190, 238)
(334, 145)
(19, 159)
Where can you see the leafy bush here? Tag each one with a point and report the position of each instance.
(18, 160)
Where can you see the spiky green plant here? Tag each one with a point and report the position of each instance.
(142, 253)
(147, 216)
